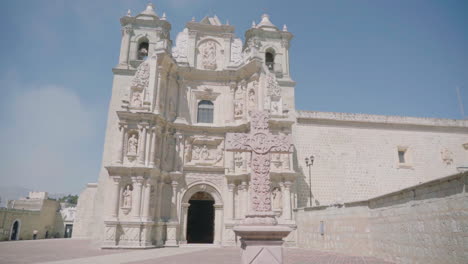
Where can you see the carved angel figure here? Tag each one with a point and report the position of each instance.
(132, 145)
(127, 197)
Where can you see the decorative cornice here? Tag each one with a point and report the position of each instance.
(373, 120)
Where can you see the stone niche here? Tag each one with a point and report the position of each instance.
(210, 55)
(204, 151)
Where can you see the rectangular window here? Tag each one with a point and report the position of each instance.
(401, 156)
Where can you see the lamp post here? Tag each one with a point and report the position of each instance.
(309, 162)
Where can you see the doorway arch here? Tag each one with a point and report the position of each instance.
(15, 230)
(200, 219)
(201, 202)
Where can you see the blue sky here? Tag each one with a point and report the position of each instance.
(361, 56)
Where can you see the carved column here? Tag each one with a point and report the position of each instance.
(158, 91)
(232, 92)
(230, 202)
(152, 146)
(174, 201)
(243, 188)
(146, 201)
(157, 215)
(162, 148)
(179, 159)
(141, 155)
(121, 143)
(183, 229)
(137, 186)
(114, 197)
(287, 200)
(125, 45)
(218, 223)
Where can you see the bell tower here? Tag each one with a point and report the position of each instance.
(272, 44)
(141, 34)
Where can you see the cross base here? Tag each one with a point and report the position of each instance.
(262, 244)
(260, 218)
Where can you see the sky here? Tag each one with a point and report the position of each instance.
(394, 57)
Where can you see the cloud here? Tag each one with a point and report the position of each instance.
(47, 139)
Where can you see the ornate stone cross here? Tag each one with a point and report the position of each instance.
(261, 143)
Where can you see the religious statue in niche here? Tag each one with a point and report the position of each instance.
(208, 53)
(252, 97)
(127, 198)
(447, 156)
(277, 199)
(136, 99)
(132, 145)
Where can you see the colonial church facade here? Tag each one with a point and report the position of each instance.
(167, 178)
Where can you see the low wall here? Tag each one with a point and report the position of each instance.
(427, 223)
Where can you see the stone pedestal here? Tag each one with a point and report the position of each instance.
(262, 243)
(171, 234)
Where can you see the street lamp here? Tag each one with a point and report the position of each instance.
(309, 162)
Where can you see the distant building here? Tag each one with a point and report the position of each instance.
(35, 215)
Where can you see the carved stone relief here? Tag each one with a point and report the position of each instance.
(239, 100)
(179, 52)
(236, 51)
(139, 85)
(273, 100)
(204, 151)
(208, 55)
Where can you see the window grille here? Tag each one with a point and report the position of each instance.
(205, 112)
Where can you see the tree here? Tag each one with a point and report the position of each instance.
(71, 199)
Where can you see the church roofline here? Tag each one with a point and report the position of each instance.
(382, 119)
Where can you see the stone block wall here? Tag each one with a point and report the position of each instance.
(345, 229)
(356, 155)
(426, 223)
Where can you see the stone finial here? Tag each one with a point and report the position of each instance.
(164, 16)
(149, 10)
(129, 13)
(253, 24)
(266, 23)
(285, 28)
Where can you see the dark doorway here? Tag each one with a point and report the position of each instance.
(200, 219)
(68, 231)
(15, 231)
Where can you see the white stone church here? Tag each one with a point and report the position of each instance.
(167, 178)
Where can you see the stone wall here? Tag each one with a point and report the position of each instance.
(356, 155)
(43, 220)
(84, 223)
(426, 223)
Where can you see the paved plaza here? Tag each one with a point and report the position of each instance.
(73, 251)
